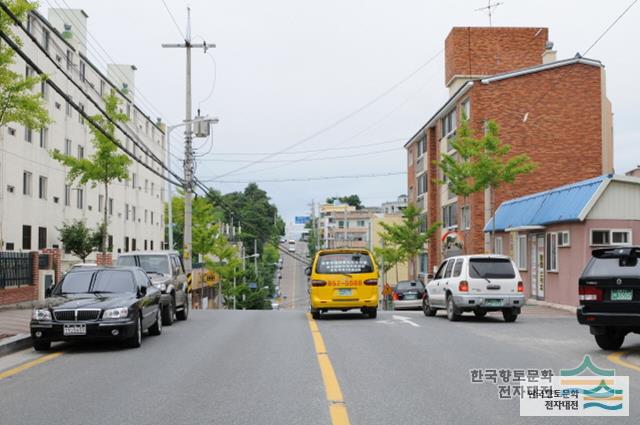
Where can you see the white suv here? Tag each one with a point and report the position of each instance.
(478, 283)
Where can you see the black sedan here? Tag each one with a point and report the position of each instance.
(408, 294)
(114, 303)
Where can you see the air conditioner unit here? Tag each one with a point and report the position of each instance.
(46, 279)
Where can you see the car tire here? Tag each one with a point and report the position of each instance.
(610, 341)
(372, 313)
(156, 328)
(41, 345)
(480, 314)
(315, 314)
(509, 315)
(184, 313)
(452, 311)
(426, 308)
(135, 341)
(169, 312)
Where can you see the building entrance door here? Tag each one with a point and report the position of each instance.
(536, 244)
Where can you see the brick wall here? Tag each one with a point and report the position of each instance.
(492, 50)
(104, 259)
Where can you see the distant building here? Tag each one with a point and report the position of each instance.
(35, 196)
(556, 111)
(343, 226)
(394, 207)
(550, 235)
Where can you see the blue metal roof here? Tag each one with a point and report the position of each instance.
(553, 206)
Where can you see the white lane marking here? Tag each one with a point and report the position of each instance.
(406, 320)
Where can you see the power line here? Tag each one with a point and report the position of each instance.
(309, 159)
(306, 179)
(340, 120)
(81, 111)
(610, 26)
(174, 20)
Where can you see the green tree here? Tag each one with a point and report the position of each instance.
(389, 257)
(225, 262)
(482, 163)
(18, 101)
(407, 237)
(105, 165)
(78, 239)
(353, 200)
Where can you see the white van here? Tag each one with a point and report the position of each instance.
(478, 283)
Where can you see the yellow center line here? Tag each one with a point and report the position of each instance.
(617, 358)
(29, 365)
(337, 407)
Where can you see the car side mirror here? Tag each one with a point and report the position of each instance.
(307, 271)
(142, 291)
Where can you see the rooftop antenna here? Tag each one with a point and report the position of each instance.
(489, 9)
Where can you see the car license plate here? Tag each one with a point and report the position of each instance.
(79, 329)
(621, 294)
(493, 303)
(410, 296)
(344, 292)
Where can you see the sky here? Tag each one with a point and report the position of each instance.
(334, 87)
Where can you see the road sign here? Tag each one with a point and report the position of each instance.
(253, 285)
(302, 219)
(210, 278)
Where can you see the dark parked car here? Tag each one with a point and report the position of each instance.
(408, 294)
(115, 303)
(167, 274)
(609, 292)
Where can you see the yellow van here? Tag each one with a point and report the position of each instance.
(343, 279)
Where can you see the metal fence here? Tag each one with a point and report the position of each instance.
(16, 269)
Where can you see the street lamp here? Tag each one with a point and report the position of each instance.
(207, 121)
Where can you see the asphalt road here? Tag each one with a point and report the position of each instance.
(279, 367)
(294, 281)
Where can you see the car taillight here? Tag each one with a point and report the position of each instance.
(520, 287)
(463, 286)
(371, 282)
(318, 283)
(395, 296)
(590, 293)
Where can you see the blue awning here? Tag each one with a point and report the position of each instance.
(557, 205)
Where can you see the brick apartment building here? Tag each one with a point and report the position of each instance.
(555, 111)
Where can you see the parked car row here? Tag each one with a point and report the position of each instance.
(144, 292)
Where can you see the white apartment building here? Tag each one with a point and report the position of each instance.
(35, 197)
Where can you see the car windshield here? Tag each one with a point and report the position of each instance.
(117, 281)
(75, 283)
(344, 263)
(126, 261)
(155, 263)
(604, 267)
(492, 268)
(407, 285)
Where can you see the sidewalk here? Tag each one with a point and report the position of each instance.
(14, 330)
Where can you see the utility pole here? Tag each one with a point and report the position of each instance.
(255, 257)
(188, 148)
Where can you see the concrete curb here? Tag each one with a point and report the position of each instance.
(14, 343)
(568, 308)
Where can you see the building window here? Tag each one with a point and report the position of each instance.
(145, 244)
(26, 183)
(110, 206)
(69, 60)
(28, 134)
(611, 237)
(499, 248)
(146, 214)
(465, 109)
(521, 252)
(552, 252)
(83, 69)
(134, 180)
(80, 152)
(449, 218)
(422, 183)
(421, 145)
(126, 244)
(68, 108)
(100, 202)
(102, 86)
(26, 237)
(67, 147)
(80, 117)
(42, 187)
(152, 218)
(465, 217)
(152, 188)
(563, 239)
(67, 195)
(449, 125)
(45, 39)
(126, 211)
(42, 237)
(79, 198)
(44, 90)
(621, 237)
(146, 186)
(44, 138)
(133, 244)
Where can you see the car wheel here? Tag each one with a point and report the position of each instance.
(169, 312)
(610, 341)
(452, 311)
(480, 313)
(41, 345)
(315, 314)
(156, 328)
(136, 340)
(426, 308)
(509, 315)
(372, 313)
(184, 313)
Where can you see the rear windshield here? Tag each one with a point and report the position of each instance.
(496, 268)
(148, 263)
(406, 285)
(612, 267)
(126, 260)
(344, 263)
